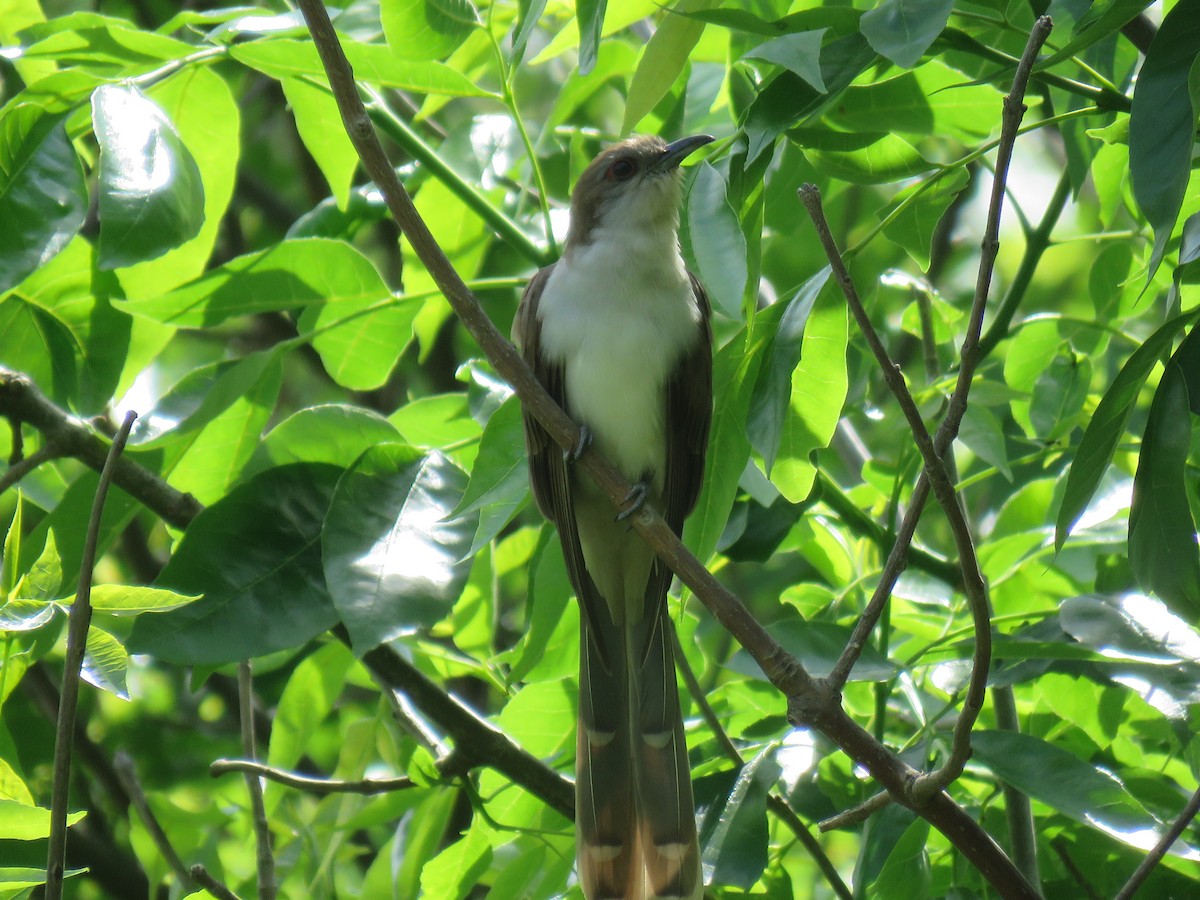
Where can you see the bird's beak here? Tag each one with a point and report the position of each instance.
(677, 151)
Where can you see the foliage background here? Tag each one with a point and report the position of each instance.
(184, 232)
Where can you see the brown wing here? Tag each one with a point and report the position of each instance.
(689, 400)
(548, 475)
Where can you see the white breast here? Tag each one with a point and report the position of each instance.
(619, 317)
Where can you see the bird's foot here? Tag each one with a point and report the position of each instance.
(581, 446)
(636, 498)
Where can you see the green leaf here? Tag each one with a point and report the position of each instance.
(902, 30)
(1077, 789)
(1162, 124)
(982, 433)
(905, 874)
(38, 345)
(426, 29)
(548, 595)
(75, 295)
(17, 879)
(456, 870)
(819, 385)
(320, 127)
(255, 556)
(332, 433)
(1106, 430)
(203, 110)
(373, 63)
(19, 822)
(1059, 394)
(134, 599)
(393, 558)
(43, 200)
(735, 371)
(360, 340)
(1130, 627)
(799, 53)
(44, 578)
(919, 212)
(198, 398)
(105, 662)
(663, 61)
(151, 195)
(733, 825)
(26, 615)
(212, 458)
(716, 239)
(1162, 533)
(499, 483)
(870, 158)
(788, 100)
(769, 407)
(289, 275)
(589, 17)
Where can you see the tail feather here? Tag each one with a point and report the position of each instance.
(634, 812)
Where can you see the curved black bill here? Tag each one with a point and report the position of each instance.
(677, 151)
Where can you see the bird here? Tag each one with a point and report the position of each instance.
(618, 331)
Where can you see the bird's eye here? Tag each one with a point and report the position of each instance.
(622, 169)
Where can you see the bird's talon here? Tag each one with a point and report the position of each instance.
(636, 498)
(575, 453)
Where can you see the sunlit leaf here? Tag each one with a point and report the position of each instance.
(151, 191)
(393, 556)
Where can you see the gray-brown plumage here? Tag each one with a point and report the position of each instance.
(618, 333)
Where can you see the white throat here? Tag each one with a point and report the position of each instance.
(619, 313)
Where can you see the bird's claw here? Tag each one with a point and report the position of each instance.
(636, 498)
(580, 447)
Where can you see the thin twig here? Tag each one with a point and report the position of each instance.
(932, 450)
(1059, 845)
(310, 783)
(856, 814)
(124, 767)
(204, 878)
(23, 466)
(943, 489)
(1154, 857)
(77, 629)
(262, 828)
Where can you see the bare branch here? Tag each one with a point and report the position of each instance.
(262, 828)
(21, 401)
(77, 629)
(124, 767)
(203, 878)
(308, 782)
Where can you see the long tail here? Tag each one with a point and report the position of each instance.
(635, 819)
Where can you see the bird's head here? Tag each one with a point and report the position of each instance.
(631, 185)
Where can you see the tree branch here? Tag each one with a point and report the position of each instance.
(308, 782)
(22, 402)
(265, 862)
